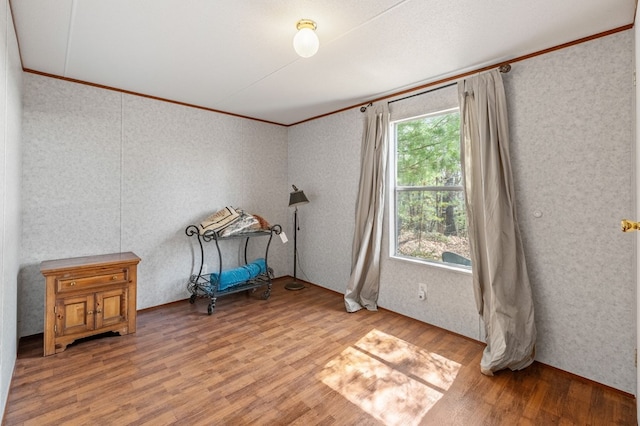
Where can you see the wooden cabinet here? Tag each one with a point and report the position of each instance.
(88, 295)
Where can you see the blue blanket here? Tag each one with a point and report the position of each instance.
(238, 275)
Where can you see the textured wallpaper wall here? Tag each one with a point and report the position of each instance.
(10, 176)
(324, 157)
(107, 172)
(572, 123)
(571, 119)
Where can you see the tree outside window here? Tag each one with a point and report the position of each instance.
(430, 216)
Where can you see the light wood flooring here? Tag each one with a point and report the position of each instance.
(297, 358)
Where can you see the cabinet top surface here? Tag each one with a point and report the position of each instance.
(51, 266)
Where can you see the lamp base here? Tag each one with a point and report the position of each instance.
(294, 285)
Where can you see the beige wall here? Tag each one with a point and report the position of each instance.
(10, 175)
(637, 192)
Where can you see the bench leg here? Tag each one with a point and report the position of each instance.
(212, 305)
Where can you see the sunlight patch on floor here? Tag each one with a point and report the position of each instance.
(392, 380)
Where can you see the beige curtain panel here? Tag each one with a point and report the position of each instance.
(500, 280)
(364, 282)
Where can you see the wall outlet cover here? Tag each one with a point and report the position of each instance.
(422, 291)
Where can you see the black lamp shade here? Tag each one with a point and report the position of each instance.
(297, 197)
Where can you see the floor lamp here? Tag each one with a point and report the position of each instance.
(296, 198)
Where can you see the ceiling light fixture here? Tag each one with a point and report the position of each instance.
(306, 42)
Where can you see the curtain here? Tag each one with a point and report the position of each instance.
(364, 282)
(500, 281)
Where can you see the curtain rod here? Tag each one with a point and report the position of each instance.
(504, 68)
(423, 93)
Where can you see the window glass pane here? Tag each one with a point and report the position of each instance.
(430, 216)
(428, 151)
(429, 223)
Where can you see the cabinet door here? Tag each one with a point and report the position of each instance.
(74, 314)
(111, 307)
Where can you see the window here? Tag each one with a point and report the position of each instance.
(428, 197)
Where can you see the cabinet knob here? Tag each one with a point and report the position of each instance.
(72, 283)
(113, 278)
(89, 312)
(98, 311)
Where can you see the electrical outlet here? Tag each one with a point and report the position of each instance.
(422, 291)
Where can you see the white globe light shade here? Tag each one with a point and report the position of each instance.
(306, 42)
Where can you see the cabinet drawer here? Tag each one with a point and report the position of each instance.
(116, 276)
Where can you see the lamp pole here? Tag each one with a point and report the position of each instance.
(295, 244)
(295, 285)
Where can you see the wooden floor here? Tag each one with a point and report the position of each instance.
(297, 358)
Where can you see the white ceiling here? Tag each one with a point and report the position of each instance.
(236, 56)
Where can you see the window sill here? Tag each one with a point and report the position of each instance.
(446, 266)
